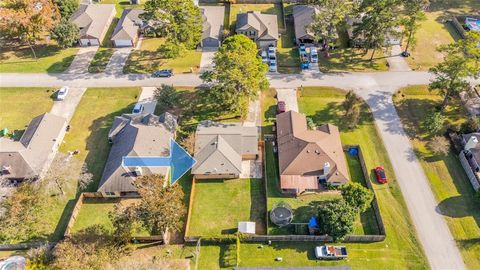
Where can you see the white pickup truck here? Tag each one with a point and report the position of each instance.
(331, 252)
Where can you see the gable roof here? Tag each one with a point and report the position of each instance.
(303, 17)
(136, 135)
(27, 157)
(212, 21)
(93, 19)
(219, 147)
(265, 24)
(128, 25)
(304, 152)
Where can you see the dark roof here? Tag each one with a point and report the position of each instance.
(303, 17)
(265, 24)
(128, 25)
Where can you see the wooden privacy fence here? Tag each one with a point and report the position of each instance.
(190, 203)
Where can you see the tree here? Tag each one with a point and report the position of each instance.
(336, 218)
(27, 20)
(310, 123)
(161, 208)
(167, 97)
(352, 104)
(471, 125)
(177, 20)
(434, 122)
(65, 33)
(461, 60)
(357, 196)
(238, 74)
(379, 18)
(125, 223)
(330, 14)
(66, 7)
(413, 15)
(439, 145)
(188, 143)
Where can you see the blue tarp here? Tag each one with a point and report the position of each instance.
(353, 151)
(312, 223)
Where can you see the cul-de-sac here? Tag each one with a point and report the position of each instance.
(239, 134)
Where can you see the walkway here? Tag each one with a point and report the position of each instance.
(118, 60)
(82, 60)
(396, 62)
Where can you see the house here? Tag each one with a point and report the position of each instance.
(308, 159)
(220, 149)
(259, 27)
(212, 26)
(302, 18)
(470, 158)
(128, 28)
(392, 38)
(31, 156)
(93, 20)
(135, 135)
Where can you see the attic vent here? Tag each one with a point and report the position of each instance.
(308, 151)
(222, 164)
(317, 152)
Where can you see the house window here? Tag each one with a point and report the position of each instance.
(110, 194)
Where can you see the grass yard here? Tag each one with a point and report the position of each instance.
(21, 105)
(148, 59)
(50, 58)
(218, 206)
(100, 60)
(447, 178)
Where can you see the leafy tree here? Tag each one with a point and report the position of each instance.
(461, 60)
(27, 20)
(238, 74)
(413, 15)
(66, 7)
(357, 196)
(177, 20)
(352, 104)
(379, 20)
(331, 14)
(167, 97)
(434, 122)
(125, 223)
(171, 49)
(161, 207)
(310, 123)
(336, 218)
(439, 145)
(188, 143)
(65, 33)
(471, 125)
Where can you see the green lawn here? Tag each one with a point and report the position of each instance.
(148, 59)
(50, 58)
(217, 209)
(21, 105)
(100, 60)
(449, 183)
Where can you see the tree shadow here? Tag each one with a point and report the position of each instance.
(63, 222)
(458, 207)
(258, 205)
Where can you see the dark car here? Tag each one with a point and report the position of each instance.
(281, 107)
(380, 173)
(163, 73)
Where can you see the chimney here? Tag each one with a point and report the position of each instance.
(138, 171)
(326, 168)
(472, 143)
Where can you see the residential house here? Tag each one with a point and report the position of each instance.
(302, 18)
(259, 27)
(470, 158)
(212, 26)
(128, 28)
(135, 135)
(392, 38)
(308, 159)
(220, 149)
(31, 156)
(93, 20)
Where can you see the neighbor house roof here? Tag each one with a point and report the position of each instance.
(475, 150)
(93, 19)
(128, 25)
(27, 157)
(212, 21)
(303, 17)
(265, 24)
(219, 147)
(136, 135)
(304, 152)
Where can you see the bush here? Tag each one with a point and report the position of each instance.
(229, 258)
(434, 122)
(471, 125)
(439, 145)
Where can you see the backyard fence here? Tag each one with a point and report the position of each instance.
(24, 246)
(458, 26)
(468, 170)
(190, 203)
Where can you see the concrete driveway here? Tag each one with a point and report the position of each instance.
(118, 60)
(66, 108)
(147, 98)
(206, 62)
(82, 60)
(396, 62)
(289, 96)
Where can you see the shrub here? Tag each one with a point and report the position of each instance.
(439, 145)
(434, 122)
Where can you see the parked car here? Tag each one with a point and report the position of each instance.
(62, 93)
(302, 48)
(272, 66)
(138, 108)
(281, 107)
(380, 174)
(313, 55)
(264, 56)
(163, 73)
(331, 252)
(272, 49)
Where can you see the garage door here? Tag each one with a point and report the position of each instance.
(266, 43)
(123, 43)
(94, 42)
(210, 42)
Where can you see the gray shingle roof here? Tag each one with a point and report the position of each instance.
(303, 17)
(212, 21)
(128, 25)
(94, 19)
(265, 24)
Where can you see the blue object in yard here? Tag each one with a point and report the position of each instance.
(4, 132)
(312, 223)
(353, 151)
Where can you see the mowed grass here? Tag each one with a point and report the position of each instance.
(401, 249)
(21, 105)
(452, 189)
(50, 58)
(218, 206)
(149, 59)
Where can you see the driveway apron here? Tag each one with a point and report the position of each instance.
(81, 61)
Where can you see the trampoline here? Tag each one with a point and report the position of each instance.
(281, 214)
(13, 263)
(472, 24)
